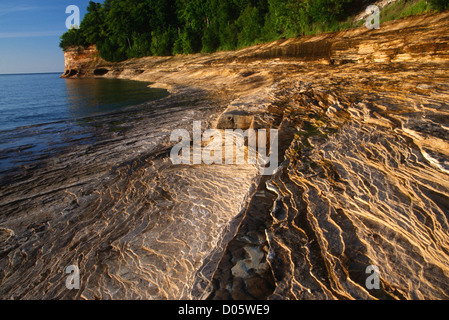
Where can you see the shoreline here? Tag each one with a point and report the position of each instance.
(362, 121)
(75, 183)
(50, 137)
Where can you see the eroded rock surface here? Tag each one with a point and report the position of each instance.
(366, 184)
(363, 124)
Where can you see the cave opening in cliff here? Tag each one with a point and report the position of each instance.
(72, 73)
(100, 72)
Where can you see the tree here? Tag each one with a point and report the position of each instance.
(73, 37)
(440, 4)
(249, 23)
(92, 24)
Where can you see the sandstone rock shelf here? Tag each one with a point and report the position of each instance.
(363, 122)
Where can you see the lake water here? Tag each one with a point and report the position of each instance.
(37, 108)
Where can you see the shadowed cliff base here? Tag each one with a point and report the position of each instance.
(362, 117)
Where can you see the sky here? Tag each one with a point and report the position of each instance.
(30, 32)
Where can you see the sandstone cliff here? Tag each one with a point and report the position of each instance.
(417, 39)
(81, 61)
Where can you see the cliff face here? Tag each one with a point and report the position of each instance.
(81, 62)
(414, 40)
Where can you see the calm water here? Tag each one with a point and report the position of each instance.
(41, 111)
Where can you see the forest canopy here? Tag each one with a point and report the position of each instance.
(124, 29)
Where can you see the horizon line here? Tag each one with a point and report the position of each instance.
(30, 34)
(29, 73)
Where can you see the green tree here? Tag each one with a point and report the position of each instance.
(73, 37)
(92, 24)
(440, 4)
(226, 14)
(162, 42)
(250, 24)
(210, 40)
(326, 11)
(185, 43)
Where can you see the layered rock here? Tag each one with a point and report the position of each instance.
(82, 62)
(364, 186)
(362, 116)
(417, 39)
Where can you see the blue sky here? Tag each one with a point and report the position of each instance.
(29, 34)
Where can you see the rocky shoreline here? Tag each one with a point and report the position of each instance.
(362, 116)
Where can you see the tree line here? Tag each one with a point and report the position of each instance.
(124, 29)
